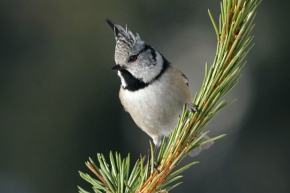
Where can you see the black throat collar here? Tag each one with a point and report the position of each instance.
(134, 84)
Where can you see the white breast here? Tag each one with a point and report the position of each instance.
(155, 108)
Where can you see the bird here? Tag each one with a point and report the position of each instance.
(152, 90)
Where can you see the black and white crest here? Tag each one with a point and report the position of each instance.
(126, 42)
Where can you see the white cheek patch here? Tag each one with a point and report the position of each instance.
(123, 82)
(151, 66)
(159, 61)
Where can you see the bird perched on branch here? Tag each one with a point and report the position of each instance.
(152, 90)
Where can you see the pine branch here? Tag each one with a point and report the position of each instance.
(233, 44)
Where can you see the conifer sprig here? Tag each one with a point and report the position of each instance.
(233, 44)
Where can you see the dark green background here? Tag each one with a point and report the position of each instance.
(59, 100)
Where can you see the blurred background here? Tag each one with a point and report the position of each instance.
(59, 100)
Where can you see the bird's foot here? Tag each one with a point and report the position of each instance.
(154, 162)
(191, 107)
(155, 167)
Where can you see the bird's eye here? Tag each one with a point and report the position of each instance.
(133, 58)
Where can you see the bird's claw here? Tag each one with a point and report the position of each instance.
(191, 107)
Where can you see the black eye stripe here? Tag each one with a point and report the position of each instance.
(153, 52)
(147, 47)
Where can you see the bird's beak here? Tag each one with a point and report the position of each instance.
(117, 67)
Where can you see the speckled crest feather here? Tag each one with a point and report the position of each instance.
(126, 42)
